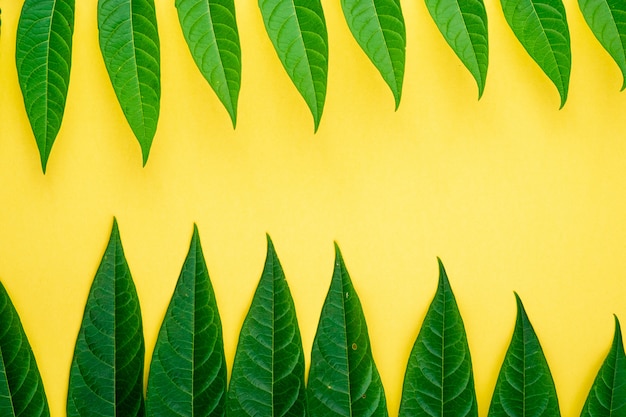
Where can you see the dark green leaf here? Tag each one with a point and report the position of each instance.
(378, 27)
(129, 42)
(188, 369)
(343, 379)
(268, 371)
(297, 29)
(541, 27)
(43, 55)
(21, 389)
(525, 387)
(607, 20)
(210, 29)
(607, 396)
(106, 377)
(439, 380)
(463, 24)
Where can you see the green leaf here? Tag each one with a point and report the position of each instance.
(541, 27)
(463, 24)
(607, 396)
(21, 389)
(378, 27)
(607, 20)
(268, 371)
(106, 377)
(343, 379)
(297, 29)
(525, 387)
(439, 380)
(43, 56)
(188, 369)
(210, 29)
(129, 42)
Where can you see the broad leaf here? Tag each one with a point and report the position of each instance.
(463, 24)
(297, 29)
(525, 387)
(268, 371)
(188, 369)
(439, 380)
(210, 29)
(106, 377)
(343, 379)
(607, 396)
(607, 20)
(378, 27)
(21, 389)
(541, 27)
(43, 55)
(129, 42)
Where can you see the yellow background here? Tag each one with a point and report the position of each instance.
(510, 192)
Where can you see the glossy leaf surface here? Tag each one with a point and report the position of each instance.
(297, 29)
(525, 387)
(541, 27)
(188, 369)
(463, 24)
(343, 378)
(106, 377)
(21, 388)
(129, 42)
(378, 27)
(607, 20)
(43, 55)
(607, 396)
(439, 380)
(268, 371)
(210, 29)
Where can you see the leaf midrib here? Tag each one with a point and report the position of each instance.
(47, 85)
(443, 338)
(6, 379)
(136, 65)
(309, 73)
(380, 27)
(345, 327)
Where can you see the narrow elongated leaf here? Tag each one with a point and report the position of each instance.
(210, 29)
(607, 396)
(21, 389)
(188, 369)
(463, 24)
(607, 20)
(439, 380)
(268, 371)
(541, 27)
(130, 46)
(343, 378)
(297, 28)
(525, 387)
(378, 27)
(106, 377)
(43, 55)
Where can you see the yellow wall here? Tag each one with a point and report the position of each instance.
(510, 192)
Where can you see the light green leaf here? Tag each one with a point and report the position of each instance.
(607, 396)
(378, 27)
(297, 29)
(188, 369)
(343, 379)
(525, 387)
(463, 24)
(268, 371)
(541, 27)
(210, 29)
(106, 377)
(607, 20)
(439, 380)
(129, 42)
(43, 55)
(21, 389)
